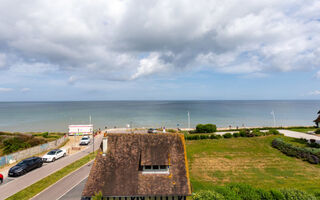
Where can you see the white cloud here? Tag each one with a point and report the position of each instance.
(315, 93)
(150, 65)
(6, 89)
(125, 40)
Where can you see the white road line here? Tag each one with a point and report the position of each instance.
(72, 187)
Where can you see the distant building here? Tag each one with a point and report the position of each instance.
(81, 129)
(140, 167)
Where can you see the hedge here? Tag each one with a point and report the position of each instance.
(242, 133)
(202, 136)
(242, 191)
(227, 135)
(206, 128)
(311, 155)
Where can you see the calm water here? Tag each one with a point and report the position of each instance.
(56, 116)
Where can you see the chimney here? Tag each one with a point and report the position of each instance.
(104, 145)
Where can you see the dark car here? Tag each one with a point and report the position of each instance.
(152, 130)
(25, 166)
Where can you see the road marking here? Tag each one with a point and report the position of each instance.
(72, 187)
(85, 165)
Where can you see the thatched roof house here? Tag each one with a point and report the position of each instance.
(139, 166)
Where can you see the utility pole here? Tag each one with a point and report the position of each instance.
(188, 120)
(274, 118)
(93, 142)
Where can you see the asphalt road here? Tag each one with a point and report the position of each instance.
(13, 186)
(62, 188)
(75, 192)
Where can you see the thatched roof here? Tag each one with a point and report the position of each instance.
(119, 172)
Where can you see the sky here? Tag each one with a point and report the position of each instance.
(159, 50)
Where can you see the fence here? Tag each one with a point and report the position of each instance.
(11, 158)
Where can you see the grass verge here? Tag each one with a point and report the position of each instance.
(39, 186)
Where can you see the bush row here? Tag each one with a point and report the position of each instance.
(311, 155)
(246, 192)
(242, 133)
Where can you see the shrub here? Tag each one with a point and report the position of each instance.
(276, 195)
(256, 132)
(313, 143)
(204, 137)
(227, 193)
(227, 135)
(264, 194)
(317, 131)
(45, 134)
(273, 132)
(240, 191)
(244, 191)
(236, 135)
(244, 132)
(291, 194)
(14, 144)
(206, 128)
(214, 136)
(311, 155)
(172, 130)
(206, 195)
(97, 196)
(192, 137)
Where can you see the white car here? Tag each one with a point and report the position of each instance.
(53, 155)
(85, 140)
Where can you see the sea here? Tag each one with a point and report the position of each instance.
(56, 116)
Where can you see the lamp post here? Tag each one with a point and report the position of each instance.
(274, 118)
(188, 120)
(93, 141)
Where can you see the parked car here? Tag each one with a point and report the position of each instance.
(25, 166)
(85, 140)
(152, 130)
(53, 155)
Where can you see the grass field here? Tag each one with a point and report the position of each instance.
(248, 160)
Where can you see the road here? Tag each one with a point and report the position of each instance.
(66, 187)
(75, 192)
(295, 134)
(14, 185)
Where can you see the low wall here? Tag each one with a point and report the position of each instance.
(11, 158)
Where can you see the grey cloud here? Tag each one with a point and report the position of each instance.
(105, 39)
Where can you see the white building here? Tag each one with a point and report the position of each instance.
(81, 129)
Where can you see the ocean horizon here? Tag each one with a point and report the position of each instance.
(33, 116)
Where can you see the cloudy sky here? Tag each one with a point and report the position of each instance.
(146, 49)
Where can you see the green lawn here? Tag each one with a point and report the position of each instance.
(248, 160)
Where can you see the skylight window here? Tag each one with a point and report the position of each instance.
(155, 169)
